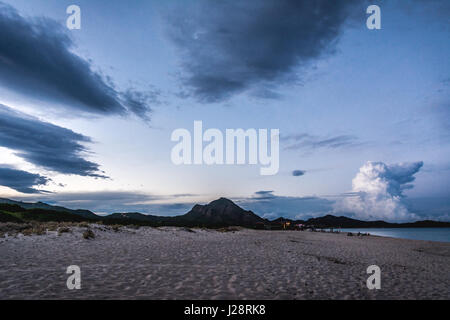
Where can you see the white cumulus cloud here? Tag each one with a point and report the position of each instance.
(377, 192)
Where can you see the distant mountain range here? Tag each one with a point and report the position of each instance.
(219, 213)
(345, 222)
(40, 205)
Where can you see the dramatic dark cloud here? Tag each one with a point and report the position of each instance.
(231, 46)
(307, 141)
(45, 145)
(298, 173)
(36, 59)
(138, 102)
(21, 181)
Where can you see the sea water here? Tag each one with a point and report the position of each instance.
(431, 234)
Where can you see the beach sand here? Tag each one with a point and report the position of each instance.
(174, 263)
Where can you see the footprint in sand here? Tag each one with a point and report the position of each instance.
(230, 284)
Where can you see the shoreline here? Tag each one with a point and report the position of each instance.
(179, 263)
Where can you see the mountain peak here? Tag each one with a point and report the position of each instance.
(222, 202)
(222, 212)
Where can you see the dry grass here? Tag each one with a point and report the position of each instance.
(229, 229)
(62, 230)
(12, 228)
(133, 226)
(115, 227)
(83, 224)
(88, 234)
(39, 228)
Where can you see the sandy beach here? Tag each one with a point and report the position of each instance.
(176, 263)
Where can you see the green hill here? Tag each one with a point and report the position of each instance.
(15, 213)
(7, 217)
(41, 205)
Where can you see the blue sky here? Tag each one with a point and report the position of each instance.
(341, 95)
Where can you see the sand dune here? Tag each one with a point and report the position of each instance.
(173, 263)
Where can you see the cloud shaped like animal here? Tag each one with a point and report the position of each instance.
(377, 191)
